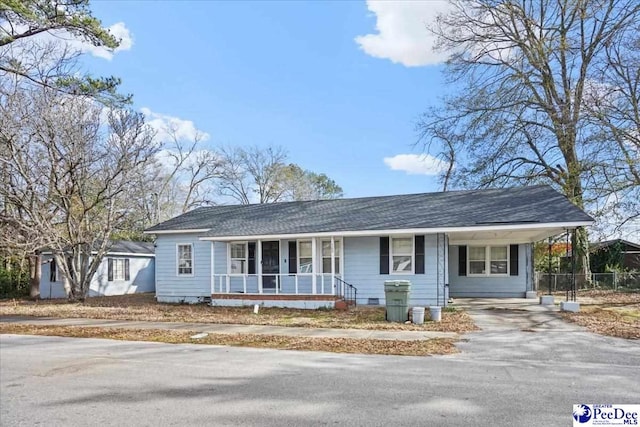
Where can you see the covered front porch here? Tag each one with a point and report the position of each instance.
(280, 272)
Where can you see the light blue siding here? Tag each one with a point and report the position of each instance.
(173, 288)
(491, 286)
(362, 270)
(141, 278)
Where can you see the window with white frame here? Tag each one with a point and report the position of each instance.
(305, 256)
(477, 260)
(488, 260)
(326, 256)
(238, 263)
(499, 260)
(401, 254)
(118, 268)
(185, 260)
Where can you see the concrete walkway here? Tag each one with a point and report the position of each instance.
(235, 329)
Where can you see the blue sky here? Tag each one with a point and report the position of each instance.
(289, 74)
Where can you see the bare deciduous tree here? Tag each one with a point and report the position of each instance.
(522, 73)
(302, 184)
(262, 175)
(68, 175)
(251, 175)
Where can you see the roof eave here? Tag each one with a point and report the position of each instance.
(391, 232)
(191, 230)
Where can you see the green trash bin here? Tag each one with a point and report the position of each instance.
(396, 294)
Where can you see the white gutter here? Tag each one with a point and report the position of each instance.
(359, 233)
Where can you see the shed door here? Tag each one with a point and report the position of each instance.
(270, 264)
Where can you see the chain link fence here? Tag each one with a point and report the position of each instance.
(623, 282)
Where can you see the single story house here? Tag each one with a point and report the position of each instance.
(127, 268)
(617, 253)
(309, 254)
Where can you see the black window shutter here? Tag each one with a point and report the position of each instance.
(384, 255)
(513, 260)
(293, 257)
(110, 269)
(127, 276)
(251, 249)
(462, 260)
(52, 270)
(419, 254)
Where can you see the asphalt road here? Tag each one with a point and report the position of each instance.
(81, 382)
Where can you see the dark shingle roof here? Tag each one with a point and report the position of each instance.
(539, 204)
(131, 247)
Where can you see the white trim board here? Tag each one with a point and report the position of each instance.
(386, 232)
(194, 230)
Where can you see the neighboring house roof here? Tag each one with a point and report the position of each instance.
(131, 247)
(125, 247)
(608, 243)
(523, 205)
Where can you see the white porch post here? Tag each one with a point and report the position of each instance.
(228, 278)
(333, 264)
(259, 264)
(213, 271)
(314, 262)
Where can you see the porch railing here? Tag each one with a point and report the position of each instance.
(347, 291)
(296, 284)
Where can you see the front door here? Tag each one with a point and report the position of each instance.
(270, 264)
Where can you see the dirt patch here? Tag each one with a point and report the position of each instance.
(143, 307)
(439, 346)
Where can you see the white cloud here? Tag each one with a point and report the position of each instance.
(416, 164)
(402, 34)
(119, 30)
(169, 126)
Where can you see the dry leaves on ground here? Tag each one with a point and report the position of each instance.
(336, 345)
(621, 322)
(143, 307)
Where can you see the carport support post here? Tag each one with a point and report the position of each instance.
(573, 266)
(549, 271)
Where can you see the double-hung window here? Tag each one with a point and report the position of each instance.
(401, 254)
(326, 256)
(499, 261)
(238, 258)
(185, 259)
(477, 260)
(305, 256)
(118, 268)
(488, 260)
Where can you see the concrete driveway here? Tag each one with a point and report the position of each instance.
(520, 330)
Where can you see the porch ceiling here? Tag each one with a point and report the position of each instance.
(504, 236)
